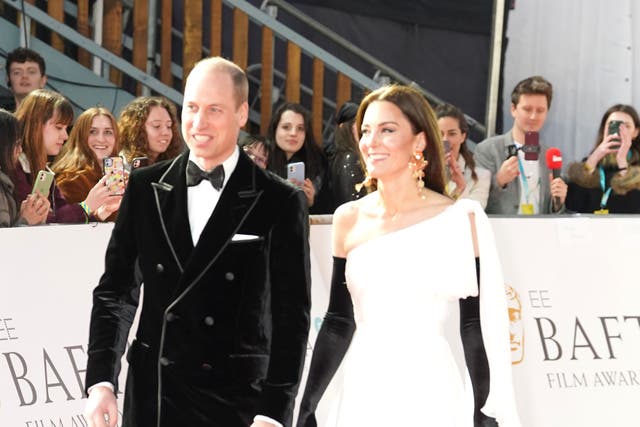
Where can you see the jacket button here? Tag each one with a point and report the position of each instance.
(170, 317)
(164, 361)
(206, 367)
(159, 268)
(229, 276)
(209, 321)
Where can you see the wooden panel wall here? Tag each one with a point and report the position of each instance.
(240, 38)
(83, 28)
(193, 51)
(215, 44)
(343, 90)
(55, 9)
(166, 16)
(292, 88)
(316, 101)
(266, 79)
(192, 37)
(140, 36)
(112, 35)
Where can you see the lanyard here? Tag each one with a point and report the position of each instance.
(606, 192)
(525, 181)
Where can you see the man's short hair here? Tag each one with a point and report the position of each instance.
(238, 76)
(22, 55)
(535, 85)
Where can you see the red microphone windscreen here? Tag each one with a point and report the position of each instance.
(554, 158)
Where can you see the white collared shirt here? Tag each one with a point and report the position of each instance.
(203, 198)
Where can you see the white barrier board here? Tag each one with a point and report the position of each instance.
(576, 318)
(47, 276)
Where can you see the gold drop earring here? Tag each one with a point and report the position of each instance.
(417, 164)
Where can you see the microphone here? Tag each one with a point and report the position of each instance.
(554, 162)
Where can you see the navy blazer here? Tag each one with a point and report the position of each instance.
(223, 327)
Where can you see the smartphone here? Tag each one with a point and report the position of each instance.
(43, 182)
(295, 171)
(114, 169)
(614, 129)
(531, 146)
(139, 162)
(447, 146)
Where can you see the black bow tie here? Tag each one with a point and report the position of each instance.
(195, 175)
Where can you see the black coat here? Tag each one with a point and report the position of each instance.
(223, 327)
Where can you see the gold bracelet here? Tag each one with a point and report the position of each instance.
(588, 168)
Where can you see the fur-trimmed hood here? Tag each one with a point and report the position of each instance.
(620, 184)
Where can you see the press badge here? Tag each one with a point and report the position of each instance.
(526, 208)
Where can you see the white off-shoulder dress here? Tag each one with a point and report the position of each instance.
(400, 369)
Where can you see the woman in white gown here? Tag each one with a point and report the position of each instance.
(407, 254)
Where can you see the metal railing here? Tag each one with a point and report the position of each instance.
(81, 41)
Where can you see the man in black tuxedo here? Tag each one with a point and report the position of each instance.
(222, 249)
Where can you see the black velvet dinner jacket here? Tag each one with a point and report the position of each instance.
(223, 328)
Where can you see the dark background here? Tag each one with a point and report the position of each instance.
(443, 45)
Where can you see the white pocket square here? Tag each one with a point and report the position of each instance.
(244, 237)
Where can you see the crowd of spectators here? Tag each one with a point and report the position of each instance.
(500, 175)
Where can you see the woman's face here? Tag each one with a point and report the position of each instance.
(388, 141)
(54, 134)
(290, 133)
(102, 138)
(159, 132)
(450, 131)
(627, 123)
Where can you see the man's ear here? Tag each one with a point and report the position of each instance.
(243, 112)
(43, 81)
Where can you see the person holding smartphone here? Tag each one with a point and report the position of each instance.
(78, 167)
(34, 209)
(520, 186)
(465, 179)
(608, 180)
(290, 140)
(44, 117)
(148, 127)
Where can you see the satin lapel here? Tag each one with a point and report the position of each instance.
(237, 200)
(171, 204)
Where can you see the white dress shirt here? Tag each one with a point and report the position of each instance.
(201, 202)
(203, 198)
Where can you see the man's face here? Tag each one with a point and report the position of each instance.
(25, 77)
(530, 112)
(211, 118)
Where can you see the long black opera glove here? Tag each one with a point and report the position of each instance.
(475, 355)
(332, 343)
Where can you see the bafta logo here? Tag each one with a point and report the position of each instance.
(516, 327)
